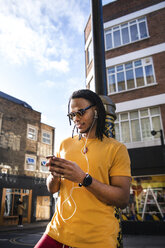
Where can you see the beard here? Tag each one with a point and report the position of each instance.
(88, 129)
(85, 131)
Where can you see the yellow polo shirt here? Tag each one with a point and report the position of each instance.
(80, 219)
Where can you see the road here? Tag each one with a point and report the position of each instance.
(21, 238)
(28, 238)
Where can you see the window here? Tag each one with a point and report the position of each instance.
(46, 137)
(126, 33)
(43, 166)
(30, 163)
(12, 197)
(32, 132)
(137, 125)
(130, 75)
(89, 53)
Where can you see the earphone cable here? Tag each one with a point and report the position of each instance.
(77, 187)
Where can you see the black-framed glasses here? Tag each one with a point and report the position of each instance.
(79, 113)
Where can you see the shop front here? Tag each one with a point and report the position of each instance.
(147, 199)
(9, 205)
(37, 201)
(145, 213)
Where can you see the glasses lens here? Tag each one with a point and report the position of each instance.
(79, 113)
(71, 115)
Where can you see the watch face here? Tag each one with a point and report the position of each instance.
(87, 180)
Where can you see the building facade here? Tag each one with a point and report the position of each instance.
(24, 144)
(134, 40)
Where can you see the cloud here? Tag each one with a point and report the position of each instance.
(68, 85)
(49, 84)
(53, 85)
(46, 65)
(41, 32)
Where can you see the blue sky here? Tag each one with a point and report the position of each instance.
(42, 55)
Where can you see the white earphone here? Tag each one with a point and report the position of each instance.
(96, 115)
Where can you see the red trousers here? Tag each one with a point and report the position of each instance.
(48, 242)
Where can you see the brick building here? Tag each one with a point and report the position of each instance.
(24, 144)
(134, 40)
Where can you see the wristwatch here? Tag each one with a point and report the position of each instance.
(87, 181)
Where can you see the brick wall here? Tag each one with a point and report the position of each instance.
(156, 24)
(124, 7)
(87, 29)
(13, 136)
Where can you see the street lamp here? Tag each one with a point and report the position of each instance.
(101, 80)
(153, 132)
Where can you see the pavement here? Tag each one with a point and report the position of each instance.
(129, 241)
(144, 241)
(26, 226)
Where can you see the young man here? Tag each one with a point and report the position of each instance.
(92, 174)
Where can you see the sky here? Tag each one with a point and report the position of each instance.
(42, 58)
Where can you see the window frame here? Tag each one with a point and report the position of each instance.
(46, 132)
(26, 165)
(139, 118)
(114, 71)
(89, 53)
(11, 197)
(129, 24)
(41, 161)
(35, 134)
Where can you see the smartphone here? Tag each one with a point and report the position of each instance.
(50, 156)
